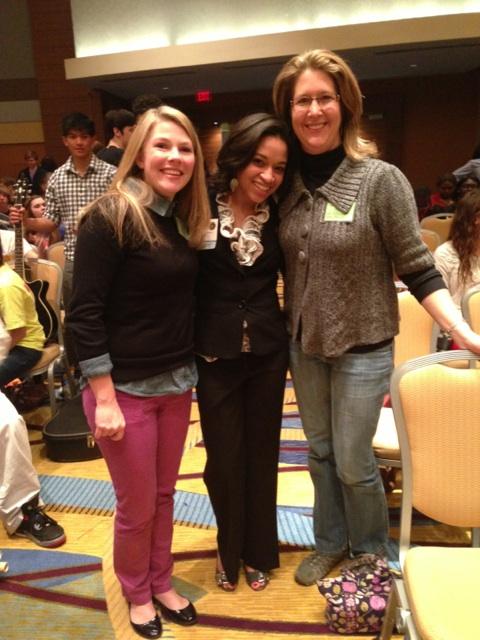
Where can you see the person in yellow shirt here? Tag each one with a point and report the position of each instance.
(21, 508)
(17, 310)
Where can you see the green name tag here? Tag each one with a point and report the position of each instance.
(332, 214)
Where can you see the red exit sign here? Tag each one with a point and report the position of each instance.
(203, 96)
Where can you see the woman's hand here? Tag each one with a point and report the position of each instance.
(441, 307)
(465, 337)
(109, 420)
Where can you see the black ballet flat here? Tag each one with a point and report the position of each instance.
(186, 616)
(150, 629)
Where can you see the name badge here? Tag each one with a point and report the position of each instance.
(209, 238)
(332, 214)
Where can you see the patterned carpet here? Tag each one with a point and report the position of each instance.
(65, 594)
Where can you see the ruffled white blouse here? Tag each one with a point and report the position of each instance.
(245, 241)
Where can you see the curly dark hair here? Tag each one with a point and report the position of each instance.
(465, 232)
(242, 144)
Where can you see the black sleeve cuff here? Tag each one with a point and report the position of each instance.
(423, 283)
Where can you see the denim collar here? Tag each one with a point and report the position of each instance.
(160, 205)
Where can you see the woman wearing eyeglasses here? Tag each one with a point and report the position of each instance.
(347, 219)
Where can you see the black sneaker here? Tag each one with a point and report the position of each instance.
(39, 527)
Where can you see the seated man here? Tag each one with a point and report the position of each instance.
(18, 313)
(20, 510)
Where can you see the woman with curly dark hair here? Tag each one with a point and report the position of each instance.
(241, 339)
(458, 259)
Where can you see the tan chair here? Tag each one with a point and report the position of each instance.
(56, 253)
(437, 411)
(415, 338)
(471, 308)
(438, 222)
(54, 352)
(430, 238)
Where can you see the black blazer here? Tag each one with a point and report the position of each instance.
(35, 184)
(228, 293)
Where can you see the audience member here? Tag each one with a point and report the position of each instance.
(119, 126)
(241, 337)
(18, 313)
(132, 317)
(472, 166)
(458, 259)
(443, 200)
(466, 184)
(5, 204)
(72, 186)
(49, 164)
(33, 173)
(21, 512)
(35, 208)
(97, 147)
(144, 102)
(346, 223)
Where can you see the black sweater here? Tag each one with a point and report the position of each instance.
(135, 304)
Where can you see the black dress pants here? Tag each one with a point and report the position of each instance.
(240, 402)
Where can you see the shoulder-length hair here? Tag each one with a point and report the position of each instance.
(28, 205)
(121, 204)
(242, 143)
(347, 88)
(465, 232)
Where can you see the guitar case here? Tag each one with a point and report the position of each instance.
(68, 437)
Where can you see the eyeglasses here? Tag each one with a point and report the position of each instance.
(324, 101)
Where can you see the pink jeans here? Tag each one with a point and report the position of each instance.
(144, 467)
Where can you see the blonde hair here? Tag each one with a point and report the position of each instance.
(346, 85)
(119, 205)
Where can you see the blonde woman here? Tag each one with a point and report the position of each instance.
(132, 319)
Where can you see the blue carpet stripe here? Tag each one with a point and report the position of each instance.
(193, 509)
(79, 493)
(292, 422)
(294, 528)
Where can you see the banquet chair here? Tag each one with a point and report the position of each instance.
(54, 351)
(56, 253)
(471, 308)
(438, 222)
(416, 338)
(437, 411)
(430, 238)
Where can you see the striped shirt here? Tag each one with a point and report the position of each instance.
(68, 191)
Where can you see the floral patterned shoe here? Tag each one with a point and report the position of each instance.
(223, 582)
(256, 580)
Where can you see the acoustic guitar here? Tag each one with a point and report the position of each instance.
(46, 315)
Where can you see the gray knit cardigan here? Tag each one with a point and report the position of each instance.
(339, 285)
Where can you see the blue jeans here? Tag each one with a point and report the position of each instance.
(339, 400)
(18, 362)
